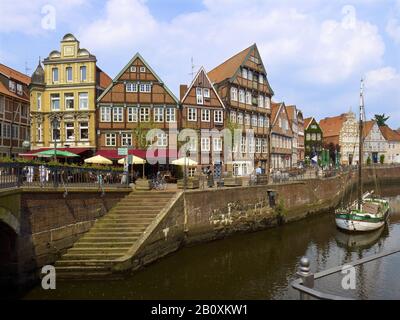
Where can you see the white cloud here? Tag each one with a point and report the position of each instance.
(316, 51)
(393, 29)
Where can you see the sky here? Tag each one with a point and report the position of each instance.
(315, 51)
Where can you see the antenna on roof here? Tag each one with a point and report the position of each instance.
(193, 68)
(27, 69)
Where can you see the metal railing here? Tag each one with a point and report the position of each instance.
(305, 283)
(38, 175)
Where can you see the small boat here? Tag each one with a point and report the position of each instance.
(369, 212)
(372, 214)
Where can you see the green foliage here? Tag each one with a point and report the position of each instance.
(382, 159)
(140, 132)
(369, 161)
(381, 119)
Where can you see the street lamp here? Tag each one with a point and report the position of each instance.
(55, 123)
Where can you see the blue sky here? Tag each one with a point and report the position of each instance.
(315, 51)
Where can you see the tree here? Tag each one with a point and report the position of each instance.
(381, 119)
(382, 159)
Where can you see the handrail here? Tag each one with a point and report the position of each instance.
(305, 283)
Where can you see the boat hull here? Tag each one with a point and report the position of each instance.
(358, 226)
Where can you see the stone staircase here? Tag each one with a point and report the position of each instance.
(93, 255)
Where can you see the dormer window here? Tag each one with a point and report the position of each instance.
(19, 89)
(12, 86)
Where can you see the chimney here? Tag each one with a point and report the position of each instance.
(183, 89)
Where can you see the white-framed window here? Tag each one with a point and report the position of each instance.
(244, 73)
(131, 87)
(118, 114)
(261, 78)
(55, 101)
(250, 75)
(247, 119)
(261, 121)
(242, 98)
(145, 87)
(233, 116)
(15, 131)
(206, 93)
(192, 114)
(218, 116)
(133, 69)
(126, 139)
(248, 97)
(142, 69)
(12, 86)
(240, 118)
(243, 145)
(266, 122)
(38, 102)
(69, 101)
(264, 146)
(261, 101)
(254, 121)
(205, 144)
(83, 73)
(192, 144)
(105, 114)
(258, 145)
(144, 114)
(199, 96)
(69, 131)
(162, 140)
(132, 114)
(252, 145)
(54, 73)
(56, 135)
(111, 139)
(217, 144)
(83, 131)
(234, 94)
(19, 89)
(205, 115)
(267, 102)
(83, 101)
(158, 114)
(68, 74)
(39, 132)
(280, 123)
(170, 115)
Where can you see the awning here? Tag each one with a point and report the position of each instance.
(58, 153)
(161, 153)
(30, 154)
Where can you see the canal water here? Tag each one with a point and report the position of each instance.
(258, 266)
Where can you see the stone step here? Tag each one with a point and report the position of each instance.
(91, 250)
(139, 206)
(111, 234)
(141, 213)
(91, 256)
(101, 245)
(118, 228)
(129, 224)
(84, 263)
(69, 269)
(102, 238)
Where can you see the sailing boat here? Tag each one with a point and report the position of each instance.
(368, 212)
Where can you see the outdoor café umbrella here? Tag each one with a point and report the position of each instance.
(185, 161)
(98, 160)
(58, 153)
(135, 160)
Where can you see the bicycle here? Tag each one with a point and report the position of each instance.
(159, 184)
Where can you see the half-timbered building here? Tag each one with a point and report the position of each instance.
(242, 84)
(136, 102)
(204, 113)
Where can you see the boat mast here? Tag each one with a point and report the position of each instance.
(361, 147)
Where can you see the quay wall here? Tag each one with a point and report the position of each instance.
(207, 215)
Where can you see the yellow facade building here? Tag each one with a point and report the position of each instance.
(63, 97)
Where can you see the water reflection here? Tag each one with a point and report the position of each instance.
(251, 266)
